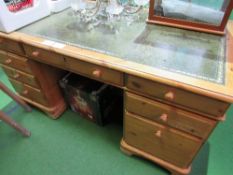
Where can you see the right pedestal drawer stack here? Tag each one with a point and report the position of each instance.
(167, 125)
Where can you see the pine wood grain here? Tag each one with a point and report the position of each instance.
(45, 56)
(29, 92)
(21, 76)
(184, 99)
(163, 142)
(15, 61)
(99, 73)
(11, 46)
(169, 116)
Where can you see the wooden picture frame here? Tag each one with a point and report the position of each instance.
(225, 9)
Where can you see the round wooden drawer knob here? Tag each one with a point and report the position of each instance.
(25, 92)
(169, 96)
(164, 117)
(16, 76)
(158, 133)
(8, 61)
(35, 53)
(96, 73)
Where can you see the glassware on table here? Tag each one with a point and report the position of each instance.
(105, 13)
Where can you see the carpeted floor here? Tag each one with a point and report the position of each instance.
(4, 100)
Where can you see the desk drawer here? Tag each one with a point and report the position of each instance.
(190, 101)
(170, 116)
(11, 46)
(29, 92)
(94, 71)
(3, 56)
(21, 76)
(159, 141)
(45, 56)
(18, 62)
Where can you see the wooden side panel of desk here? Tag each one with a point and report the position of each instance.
(49, 77)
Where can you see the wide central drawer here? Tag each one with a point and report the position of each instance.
(21, 76)
(175, 96)
(29, 92)
(170, 116)
(162, 142)
(100, 73)
(97, 72)
(15, 61)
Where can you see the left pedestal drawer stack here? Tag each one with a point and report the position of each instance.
(34, 82)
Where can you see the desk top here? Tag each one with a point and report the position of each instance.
(190, 60)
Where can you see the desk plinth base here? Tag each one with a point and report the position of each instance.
(54, 112)
(130, 150)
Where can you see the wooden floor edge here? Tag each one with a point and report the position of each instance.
(129, 150)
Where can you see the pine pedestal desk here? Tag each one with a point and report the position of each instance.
(177, 84)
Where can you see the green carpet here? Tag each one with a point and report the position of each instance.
(4, 100)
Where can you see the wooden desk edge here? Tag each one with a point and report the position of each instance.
(213, 90)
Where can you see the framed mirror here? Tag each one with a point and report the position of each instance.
(209, 16)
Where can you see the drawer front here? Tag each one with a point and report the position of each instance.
(17, 62)
(190, 101)
(93, 71)
(3, 56)
(45, 56)
(21, 76)
(29, 92)
(162, 142)
(96, 72)
(11, 46)
(170, 116)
